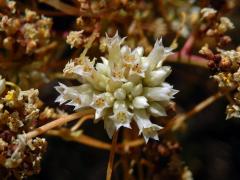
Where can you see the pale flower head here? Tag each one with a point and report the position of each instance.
(125, 87)
(208, 12)
(233, 111)
(75, 38)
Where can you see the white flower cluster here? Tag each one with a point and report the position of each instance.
(125, 86)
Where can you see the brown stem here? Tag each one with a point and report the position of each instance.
(89, 141)
(83, 139)
(70, 10)
(57, 122)
(111, 157)
(46, 48)
(81, 121)
(177, 121)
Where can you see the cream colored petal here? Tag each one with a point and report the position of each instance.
(156, 109)
(140, 102)
(157, 77)
(148, 129)
(137, 90)
(109, 126)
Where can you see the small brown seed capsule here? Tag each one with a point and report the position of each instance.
(217, 58)
(31, 45)
(8, 43)
(224, 40)
(211, 64)
(206, 52)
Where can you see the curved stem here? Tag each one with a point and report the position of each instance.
(89, 141)
(13, 85)
(81, 121)
(83, 139)
(67, 9)
(177, 121)
(111, 157)
(58, 122)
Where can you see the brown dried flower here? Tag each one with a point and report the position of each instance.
(19, 111)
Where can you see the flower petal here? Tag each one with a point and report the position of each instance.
(140, 102)
(156, 109)
(164, 93)
(155, 78)
(99, 103)
(148, 129)
(109, 126)
(137, 90)
(157, 55)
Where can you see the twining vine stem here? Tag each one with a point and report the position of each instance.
(111, 157)
(178, 120)
(58, 122)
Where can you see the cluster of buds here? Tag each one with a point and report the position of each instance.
(226, 64)
(76, 39)
(19, 112)
(214, 25)
(27, 31)
(126, 86)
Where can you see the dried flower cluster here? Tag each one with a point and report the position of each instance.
(27, 31)
(125, 86)
(226, 63)
(19, 111)
(214, 25)
(167, 161)
(75, 39)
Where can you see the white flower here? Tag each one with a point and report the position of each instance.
(156, 56)
(148, 129)
(163, 93)
(208, 12)
(157, 77)
(85, 69)
(140, 102)
(225, 24)
(233, 55)
(75, 38)
(99, 103)
(156, 109)
(121, 116)
(125, 86)
(78, 96)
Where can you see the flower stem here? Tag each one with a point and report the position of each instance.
(70, 10)
(57, 122)
(81, 121)
(95, 143)
(177, 121)
(82, 138)
(111, 157)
